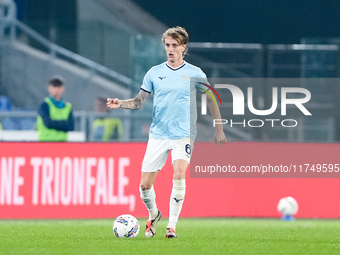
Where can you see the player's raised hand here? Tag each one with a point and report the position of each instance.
(113, 103)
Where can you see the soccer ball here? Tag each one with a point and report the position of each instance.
(126, 226)
(287, 206)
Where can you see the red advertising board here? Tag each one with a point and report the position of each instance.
(100, 180)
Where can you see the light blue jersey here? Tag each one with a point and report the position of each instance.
(172, 91)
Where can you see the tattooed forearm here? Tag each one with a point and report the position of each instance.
(135, 103)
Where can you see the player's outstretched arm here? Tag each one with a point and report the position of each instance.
(219, 137)
(133, 103)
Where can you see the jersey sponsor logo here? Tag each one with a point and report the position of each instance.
(162, 77)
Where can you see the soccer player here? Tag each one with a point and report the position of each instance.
(170, 129)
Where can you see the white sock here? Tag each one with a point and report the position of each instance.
(176, 201)
(149, 198)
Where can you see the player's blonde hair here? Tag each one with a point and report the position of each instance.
(179, 34)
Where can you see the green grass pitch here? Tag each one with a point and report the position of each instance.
(195, 236)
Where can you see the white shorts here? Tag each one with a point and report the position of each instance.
(157, 152)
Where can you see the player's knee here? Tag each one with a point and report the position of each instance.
(145, 186)
(179, 174)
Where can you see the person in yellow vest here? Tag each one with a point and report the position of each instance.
(105, 128)
(55, 117)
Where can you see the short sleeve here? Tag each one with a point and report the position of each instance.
(147, 83)
(201, 81)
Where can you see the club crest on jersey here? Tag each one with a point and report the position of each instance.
(186, 78)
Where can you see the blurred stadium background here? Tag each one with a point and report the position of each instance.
(104, 48)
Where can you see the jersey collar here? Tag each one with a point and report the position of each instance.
(175, 69)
